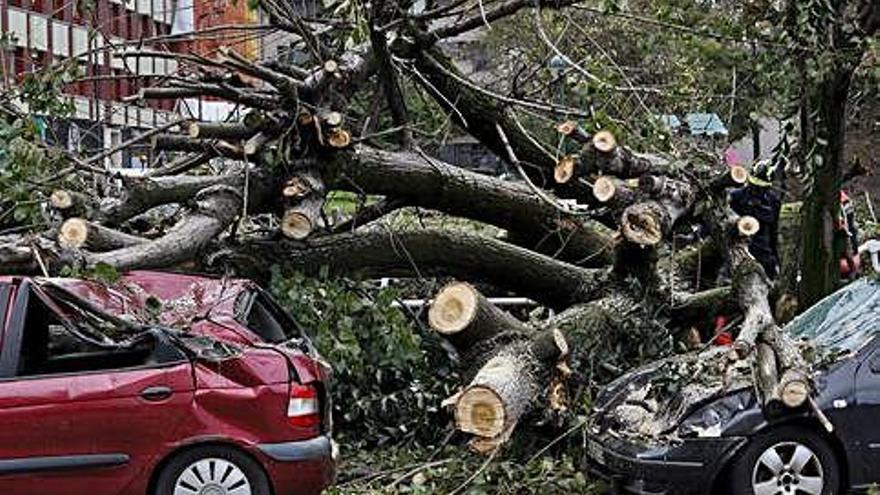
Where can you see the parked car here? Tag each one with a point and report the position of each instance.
(681, 426)
(158, 384)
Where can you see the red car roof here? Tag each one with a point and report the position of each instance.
(168, 299)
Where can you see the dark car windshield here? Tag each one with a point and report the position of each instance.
(843, 321)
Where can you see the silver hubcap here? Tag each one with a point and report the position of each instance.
(212, 477)
(788, 468)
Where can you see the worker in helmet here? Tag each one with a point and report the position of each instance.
(759, 199)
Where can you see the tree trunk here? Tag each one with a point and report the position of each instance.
(304, 196)
(81, 234)
(465, 317)
(71, 204)
(501, 393)
(821, 208)
(381, 252)
(214, 210)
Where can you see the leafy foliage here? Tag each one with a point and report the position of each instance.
(390, 375)
(630, 62)
(101, 272)
(611, 341)
(41, 90)
(24, 160)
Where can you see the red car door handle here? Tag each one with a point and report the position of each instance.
(155, 394)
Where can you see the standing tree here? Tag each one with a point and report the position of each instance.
(828, 42)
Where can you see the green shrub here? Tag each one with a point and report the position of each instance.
(390, 374)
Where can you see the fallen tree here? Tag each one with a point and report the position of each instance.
(581, 233)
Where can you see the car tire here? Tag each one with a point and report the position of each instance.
(786, 456)
(225, 470)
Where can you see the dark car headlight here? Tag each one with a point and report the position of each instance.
(708, 420)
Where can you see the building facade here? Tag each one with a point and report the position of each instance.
(95, 33)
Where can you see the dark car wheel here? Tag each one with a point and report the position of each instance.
(212, 471)
(786, 461)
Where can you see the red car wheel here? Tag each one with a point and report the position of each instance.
(212, 470)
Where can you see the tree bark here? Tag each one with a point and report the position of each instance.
(181, 143)
(621, 162)
(430, 183)
(500, 394)
(479, 114)
(304, 195)
(752, 289)
(214, 210)
(508, 386)
(71, 203)
(142, 194)
(428, 252)
(78, 233)
(820, 263)
(219, 130)
(649, 222)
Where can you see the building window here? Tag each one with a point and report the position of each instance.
(114, 140)
(74, 139)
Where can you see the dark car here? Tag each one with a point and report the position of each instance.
(690, 425)
(158, 384)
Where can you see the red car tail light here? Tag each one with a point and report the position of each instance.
(304, 408)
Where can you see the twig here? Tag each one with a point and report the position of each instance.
(476, 473)
(417, 469)
(134, 140)
(39, 258)
(378, 474)
(440, 95)
(556, 440)
(870, 206)
(535, 189)
(551, 108)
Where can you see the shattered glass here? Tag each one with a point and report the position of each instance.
(843, 321)
(85, 321)
(651, 408)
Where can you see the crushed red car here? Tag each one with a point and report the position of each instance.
(158, 384)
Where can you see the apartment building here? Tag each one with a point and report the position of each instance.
(46, 31)
(95, 33)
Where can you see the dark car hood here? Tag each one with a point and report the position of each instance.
(649, 403)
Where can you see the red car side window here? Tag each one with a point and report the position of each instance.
(264, 317)
(49, 347)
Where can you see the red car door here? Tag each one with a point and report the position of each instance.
(88, 432)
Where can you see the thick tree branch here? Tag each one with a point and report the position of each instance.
(430, 183)
(429, 252)
(213, 211)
